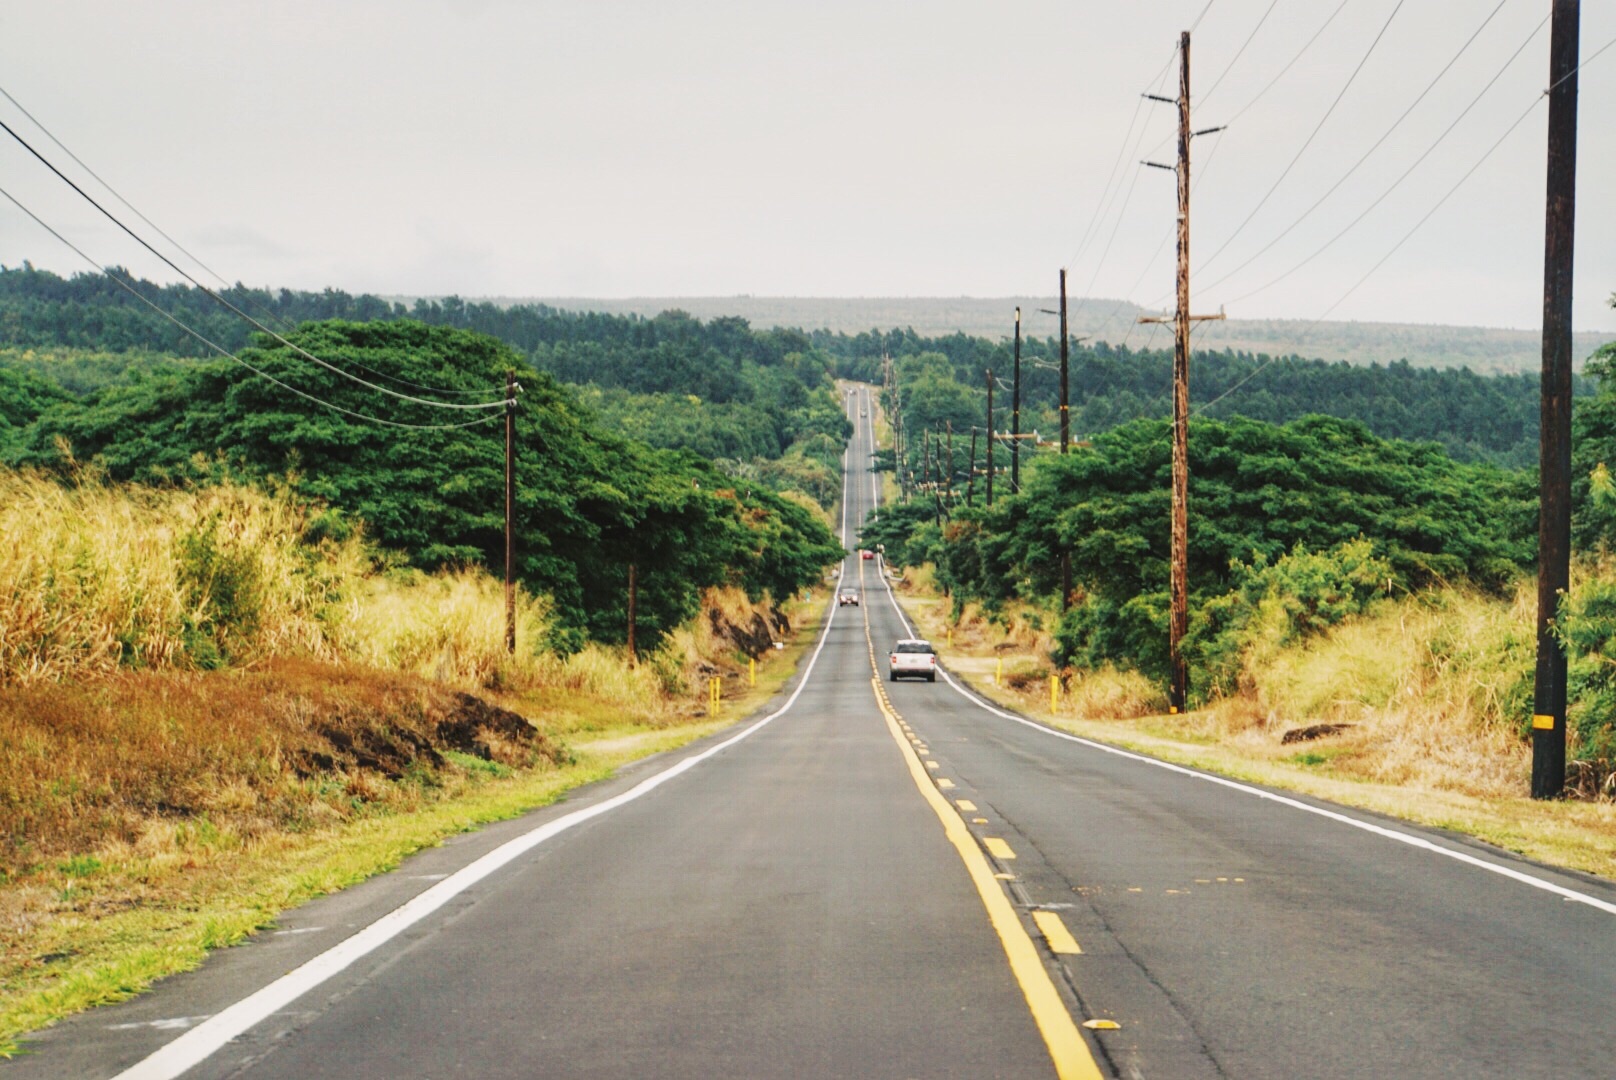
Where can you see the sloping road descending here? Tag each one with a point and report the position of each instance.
(895, 880)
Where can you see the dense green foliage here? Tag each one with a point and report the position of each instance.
(23, 396)
(1475, 417)
(1262, 497)
(588, 503)
(743, 397)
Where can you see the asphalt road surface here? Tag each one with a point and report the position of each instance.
(895, 880)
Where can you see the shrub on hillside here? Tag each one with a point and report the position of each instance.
(1587, 627)
(1274, 605)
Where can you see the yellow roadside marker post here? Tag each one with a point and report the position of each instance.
(751, 671)
(998, 672)
(1054, 691)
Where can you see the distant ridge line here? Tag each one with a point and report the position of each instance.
(1485, 349)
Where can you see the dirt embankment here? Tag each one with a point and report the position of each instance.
(284, 745)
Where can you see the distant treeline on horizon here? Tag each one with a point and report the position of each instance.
(1475, 415)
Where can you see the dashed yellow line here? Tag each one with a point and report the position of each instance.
(966, 805)
(1067, 1050)
(1060, 939)
(997, 848)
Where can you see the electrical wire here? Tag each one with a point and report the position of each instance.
(127, 287)
(1313, 135)
(1325, 314)
(1239, 52)
(1108, 193)
(113, 191)
(1383, 259)
(1573, 72)
(1367, 153)
(1405, 174)
(498, 404)
(283, 322)
(1168, 234)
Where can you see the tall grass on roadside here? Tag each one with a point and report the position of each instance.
(97, 578)
(448, 626)
(94, 578)
(1436, 687)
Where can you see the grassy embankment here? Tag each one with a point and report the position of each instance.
(217, 704)
(1422, 687)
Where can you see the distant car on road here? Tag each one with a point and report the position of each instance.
(848, 596)
(866, 554)
(912, 657)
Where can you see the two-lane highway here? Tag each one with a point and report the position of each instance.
(879, 879)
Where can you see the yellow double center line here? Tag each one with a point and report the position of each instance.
(1070, 1053)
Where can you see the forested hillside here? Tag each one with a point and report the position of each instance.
(759, 401)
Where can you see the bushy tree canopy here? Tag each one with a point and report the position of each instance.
(588, 503)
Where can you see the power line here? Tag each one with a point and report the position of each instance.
(1258, 96)
(1416, 227)
(193, 257)
(1490, 150)
(114, 192)
(1405, 174)
(1271, 82)
(1367, 153)
(499, 404)
(1394, 249)
(127, 287)
(1108, 194)
(1239, 52)
(1313, 135)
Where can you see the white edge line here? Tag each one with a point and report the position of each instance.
(201, 1042)
(1296, 804)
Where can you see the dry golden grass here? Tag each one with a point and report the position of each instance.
(94, 578)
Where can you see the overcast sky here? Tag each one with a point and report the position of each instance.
(829, 148)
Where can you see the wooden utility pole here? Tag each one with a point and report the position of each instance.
(1554, 448)
(510, 512)
(936, 498)
(1179, 617)
(990, 436)
(1065, 401)
(948, 482)
(1015, 414)
(970, 475)
(633, 605)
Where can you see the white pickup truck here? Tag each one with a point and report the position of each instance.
(912, 657)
